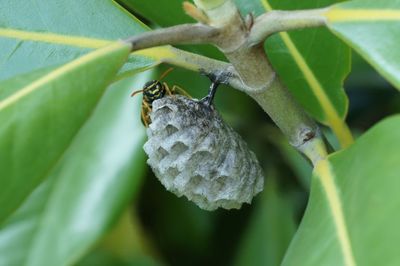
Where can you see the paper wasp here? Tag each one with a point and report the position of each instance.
(154, 90)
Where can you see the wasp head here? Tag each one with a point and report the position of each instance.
(153, 90)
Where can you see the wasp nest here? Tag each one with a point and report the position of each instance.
(194, 153)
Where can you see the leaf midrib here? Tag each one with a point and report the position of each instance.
(362, 15)
(54, 75)
(326, 177)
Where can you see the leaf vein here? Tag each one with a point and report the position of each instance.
(326, 177)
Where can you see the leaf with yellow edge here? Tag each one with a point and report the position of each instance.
(353, 205)
(37, 34)
(39, 120)
(100, 172)
(372, 29)
(46, 39)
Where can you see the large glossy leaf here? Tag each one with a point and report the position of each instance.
(87, 189)
(312, 63)
(161, 12)
(9, 87)
(166, 13)
(39, 120)
(46, 36)
(270, 230)
(372, 29)
(353, 213)
(81, 25)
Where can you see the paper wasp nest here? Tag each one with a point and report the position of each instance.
(194, 153)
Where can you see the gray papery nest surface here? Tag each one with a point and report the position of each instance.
(194, 153)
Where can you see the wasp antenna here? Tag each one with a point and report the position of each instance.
(136, 92)
(166, 72)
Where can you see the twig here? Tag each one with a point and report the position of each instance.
(207, 66)
(181, 34)
(277, 21)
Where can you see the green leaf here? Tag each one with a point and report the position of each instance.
(372, 29)
(354, 205)
(38, 34)
(12, 86)
(164, 13)
(312, 64)
(172, 14)
(270, 230)
(47, 37)
(85, 192)
(39, 120)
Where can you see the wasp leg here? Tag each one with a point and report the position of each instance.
(180, 91)
(167, 89)
(145, 114)
(147, 106)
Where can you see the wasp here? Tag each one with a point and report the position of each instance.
(154, 90)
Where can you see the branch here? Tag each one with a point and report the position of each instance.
(181, 34)
(277, 21)
(189, 34)
(264, 25)
(288, 115)
(206, 65)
